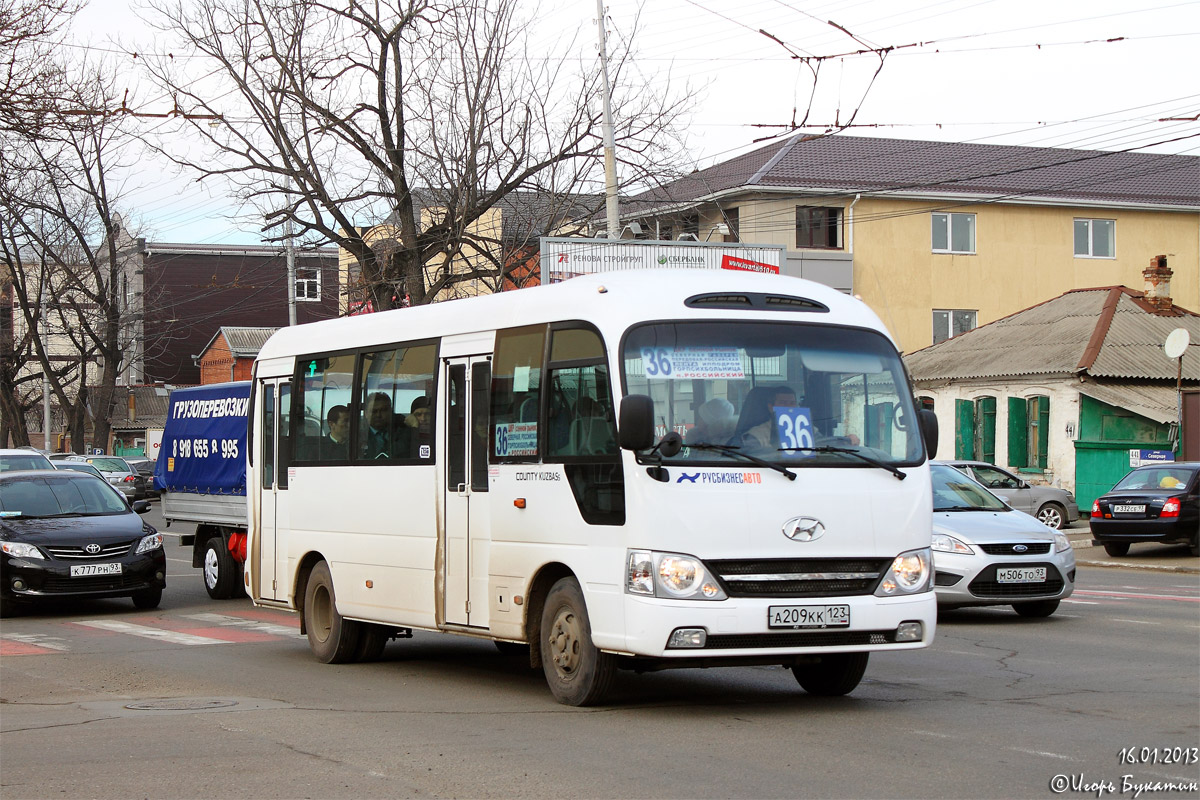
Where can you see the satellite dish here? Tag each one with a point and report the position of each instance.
(1177, 343)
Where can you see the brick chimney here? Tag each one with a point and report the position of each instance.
(1158, 285)
(132, 406)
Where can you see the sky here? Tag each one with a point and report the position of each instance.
(1081, 74)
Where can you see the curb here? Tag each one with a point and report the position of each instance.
(1134, 565)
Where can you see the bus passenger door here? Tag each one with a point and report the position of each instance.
(276, 458)
(467, 391)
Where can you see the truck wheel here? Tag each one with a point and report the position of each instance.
(148, 598)
(1052, 515)
(221, 578)
(836, 674)
(1116, 549)
(333, 639)
(577, 672)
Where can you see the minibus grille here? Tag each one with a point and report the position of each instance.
(809, 577)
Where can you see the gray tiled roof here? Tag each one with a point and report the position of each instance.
(842, 165)
(1068, 335)
(150, 407)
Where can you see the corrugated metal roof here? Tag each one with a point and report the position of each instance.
(1159, 403)
(246, 342)
(851, 164)
(150, 407)
(1053, 338)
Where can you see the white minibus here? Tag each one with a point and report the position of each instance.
(637, 470)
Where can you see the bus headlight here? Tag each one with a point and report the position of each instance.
(910, 573)
(670, 575)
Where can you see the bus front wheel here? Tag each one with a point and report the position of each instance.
(221, 575)
(333, 640)
(836, 674)
(577, 672)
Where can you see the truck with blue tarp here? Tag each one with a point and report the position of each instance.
(201, 474)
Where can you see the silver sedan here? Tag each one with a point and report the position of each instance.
(1051, 505)
(987, 554)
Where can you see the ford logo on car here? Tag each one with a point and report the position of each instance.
(803, 529)
(1019, 548)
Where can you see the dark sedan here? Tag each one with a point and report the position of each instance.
(68, 534)
(1154, 503)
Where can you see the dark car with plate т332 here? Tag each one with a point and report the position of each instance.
(68, 534)
(1153, 503)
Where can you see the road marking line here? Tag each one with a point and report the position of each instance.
(1041, 753)
(1135, 596)
(30, 644)
(247, 624)
(1082, 602)
(1136, 621)
(147, 632)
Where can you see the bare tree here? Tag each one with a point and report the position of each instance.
(60, 241)
(30, 77)
(425, 116)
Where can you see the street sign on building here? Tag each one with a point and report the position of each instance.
(1138, 458)
(563, 257)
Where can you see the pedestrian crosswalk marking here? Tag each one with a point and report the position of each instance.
(36, 640)
(224, 620)
(147, 632)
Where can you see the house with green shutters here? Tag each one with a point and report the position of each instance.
(1063, 391)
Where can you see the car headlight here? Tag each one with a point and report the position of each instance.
(21, 550)
(944, 543)
(1061, 543)
(149, 543)
(910, 573)
(671, 575)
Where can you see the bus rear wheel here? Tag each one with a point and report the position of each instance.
(836, 674)
(576, 671)
(332, 638)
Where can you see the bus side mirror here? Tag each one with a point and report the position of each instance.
(929, 430)
(635, 426)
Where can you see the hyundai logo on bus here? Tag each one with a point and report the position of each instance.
(803, 529)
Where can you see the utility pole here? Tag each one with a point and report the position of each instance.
(612, 209)
(291, 272)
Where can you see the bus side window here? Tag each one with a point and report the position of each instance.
(516, 393)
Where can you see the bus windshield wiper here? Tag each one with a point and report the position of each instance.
(827, 449)
(732, 450)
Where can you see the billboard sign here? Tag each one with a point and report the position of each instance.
(564, 257)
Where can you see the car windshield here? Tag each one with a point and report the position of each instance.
(13, 463)
(57, 497)
(796, 394)
(76, 466)
(1156, 478)
(110, 464)
(954, 491)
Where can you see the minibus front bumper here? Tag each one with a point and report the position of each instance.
(741, 628)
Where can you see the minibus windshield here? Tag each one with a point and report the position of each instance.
(793, 393)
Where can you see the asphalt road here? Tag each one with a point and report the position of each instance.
(218, 699)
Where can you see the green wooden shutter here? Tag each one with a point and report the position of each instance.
(1039, 430)
(985, 429)
(964, 429)
(1018, 435)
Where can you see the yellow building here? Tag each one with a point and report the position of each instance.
(939, 238)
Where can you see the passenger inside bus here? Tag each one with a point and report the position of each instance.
(384, 436)
(715, 423)
(335, 445)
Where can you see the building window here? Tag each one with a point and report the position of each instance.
(951, 322)
(308, 283)
(1095, 238)
(953, 233)
(818, 227)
